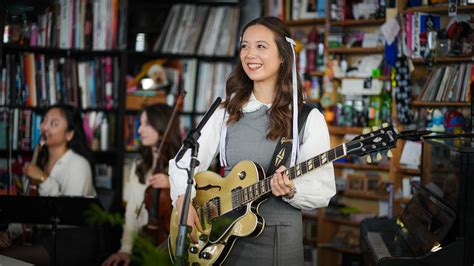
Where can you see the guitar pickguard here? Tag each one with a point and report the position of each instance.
(222, 224)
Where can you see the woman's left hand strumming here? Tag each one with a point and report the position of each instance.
(159, 180)
(281, 184)
(34, 172)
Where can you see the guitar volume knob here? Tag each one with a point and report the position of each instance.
(193, 250)
(206, 255)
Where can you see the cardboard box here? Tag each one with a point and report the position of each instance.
(138, 101)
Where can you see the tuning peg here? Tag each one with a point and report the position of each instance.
(389, 154)
(379, 156)
(366, 130)
(369, 159)
(384, 125)
(375, 128)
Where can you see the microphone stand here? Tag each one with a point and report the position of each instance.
(191, 142)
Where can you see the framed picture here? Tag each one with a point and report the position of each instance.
(308, 9)
(372, 183)
(355, 183)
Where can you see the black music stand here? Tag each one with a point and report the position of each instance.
(63, 210)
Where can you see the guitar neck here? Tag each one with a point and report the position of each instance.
(316, 162)
(263, 187)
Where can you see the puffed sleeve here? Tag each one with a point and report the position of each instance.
(314, 189)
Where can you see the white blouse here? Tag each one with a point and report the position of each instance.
(313, 190)
(135, 218)
(71, 176)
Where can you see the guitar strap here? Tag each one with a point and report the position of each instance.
(283, 147)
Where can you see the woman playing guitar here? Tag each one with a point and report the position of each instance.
(144, 212)
(263, 99)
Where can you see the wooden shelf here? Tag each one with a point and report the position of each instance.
(455, 59)
(379, 78)
(59, 51)
(409, 171)
(440, 104)
(402, 200)
(359, 166)
(310, 242)
(316, 73)
(98, 154)
(365, 195)
(343, 249)
(358, 22)
(306, 22)
(210, 58)
(438, 9)
(357, 50)
(43, 108)
(342, 221)
(345, 130)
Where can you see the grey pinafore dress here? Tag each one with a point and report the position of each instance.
(281, 242)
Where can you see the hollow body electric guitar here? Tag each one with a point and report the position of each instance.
(228, 207)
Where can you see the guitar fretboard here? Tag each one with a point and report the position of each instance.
(250, 193)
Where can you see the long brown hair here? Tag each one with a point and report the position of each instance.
(239, 86)
(158, 116)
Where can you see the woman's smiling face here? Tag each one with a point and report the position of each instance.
(259, 54)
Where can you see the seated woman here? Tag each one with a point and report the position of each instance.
(153, 122)
(62, 170)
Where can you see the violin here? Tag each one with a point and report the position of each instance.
(32, 189)
(158, 201)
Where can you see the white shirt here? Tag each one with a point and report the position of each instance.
(133, 224)
(313, 190)
(71, 176)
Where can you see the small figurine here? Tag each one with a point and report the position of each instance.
(454, 121)
(436, 123)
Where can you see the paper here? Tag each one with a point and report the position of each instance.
(390, 30)
(411, 155)
(371, 40)
(406, 188)
(383, 208)
(360, 87)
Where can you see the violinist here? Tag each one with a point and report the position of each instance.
(62, 169)
(147, 171)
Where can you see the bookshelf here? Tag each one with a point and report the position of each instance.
(429, 71)
(129, 18)
(329, 254)
(186, 42)
(55, 56)
(328, 227)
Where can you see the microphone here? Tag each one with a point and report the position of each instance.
(194, 134)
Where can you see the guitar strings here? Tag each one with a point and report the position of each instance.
(238, 195)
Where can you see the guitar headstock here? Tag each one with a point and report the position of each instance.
(383, 138)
